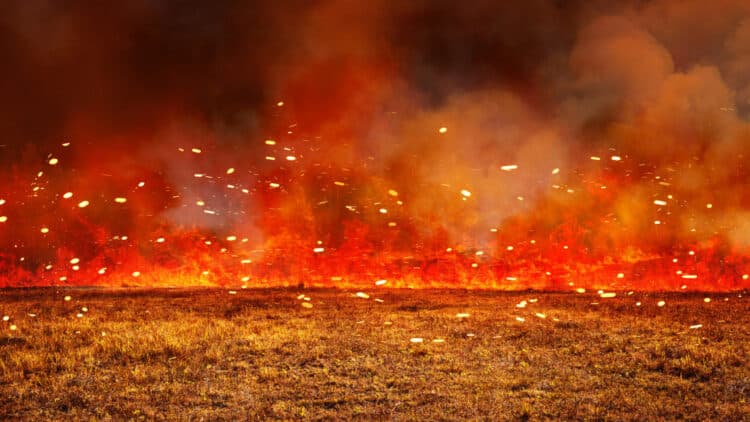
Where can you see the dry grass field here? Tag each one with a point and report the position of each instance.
(208, 354)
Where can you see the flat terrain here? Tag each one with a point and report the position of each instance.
(259, 354)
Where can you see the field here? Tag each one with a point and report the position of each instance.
(212, 354)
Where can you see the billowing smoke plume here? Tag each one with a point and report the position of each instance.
(534, 134)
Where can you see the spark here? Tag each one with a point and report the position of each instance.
(615, 158)
(462, 315)
(660, 202)
(68, 195)
(230, 170)
(121, 200)
(44, 230)
(696, 326)
(661, 303)
(416, 340)
(383, 211)
(595, 158)
(607, 295)
(280, 104)
(3, 218)
(509, 167)
(67, 298)
(580, 290)
(231, 238)
(362, 295)
(291, 158)
(707, 299)
(53, 161)
(709, 205)
(392, 192)
(83, 204)
(555, 170)
(161, 240)
(466, 193)
(381, 282)
(319, 250)
(307, 305)
(196, 150)
(75, 261)
(443, 130)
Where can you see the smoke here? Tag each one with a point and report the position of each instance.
(356, 92)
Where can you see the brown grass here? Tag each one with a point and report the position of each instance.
(206, 354)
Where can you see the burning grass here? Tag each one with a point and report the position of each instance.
(206, 353)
